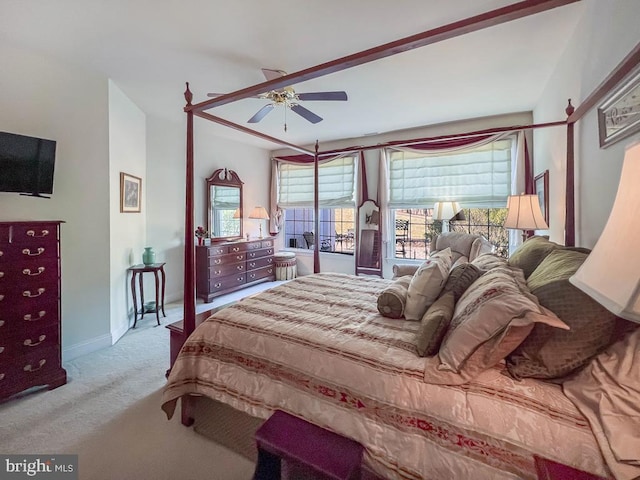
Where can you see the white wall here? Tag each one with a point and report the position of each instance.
(606, 33)
(166, 149)
(45, 98)
(127, 231)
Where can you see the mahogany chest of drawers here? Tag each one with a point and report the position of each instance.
(225, 267)
(30, 312)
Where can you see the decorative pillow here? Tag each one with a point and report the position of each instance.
(402, 270)
(426, 284)
(487, 261)
(497, 308)
(531, 253)
(550, 353)
(392, 299)
(460, 261)
(434, 325)
(614, 417)
(460, 278)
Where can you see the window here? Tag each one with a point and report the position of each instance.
(336, 229)
(478, 177)
(336, 192)
(415, 229)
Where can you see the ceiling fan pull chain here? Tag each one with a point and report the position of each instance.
(285, 117)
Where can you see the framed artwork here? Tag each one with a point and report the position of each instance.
(542, 190)
(130, 193)
(619, 114)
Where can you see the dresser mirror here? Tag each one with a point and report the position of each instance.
(224, 205)
(368, 254)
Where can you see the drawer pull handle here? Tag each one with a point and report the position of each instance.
(217, 261)
(252, 264)
(29, 368)
(1, 297)
(270, 260)
(218, 285)
(236, 249)
(29, 343)
(27, 271)
(1, 323)
(239, 257)
(253, 275)
(240, 279)
(27, 251)
(1, 274)
(1, 253)
(32, 233)
(29, 318)
(270, 251)
(27, 293)
(2, 376)
(270, 270)
(1, 349)
(252, 254)
(217, 272)
(240, 267)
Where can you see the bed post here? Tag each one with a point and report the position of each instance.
(189, 253)
(570, 213)
(316, 237)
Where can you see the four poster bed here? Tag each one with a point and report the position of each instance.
(317, 347)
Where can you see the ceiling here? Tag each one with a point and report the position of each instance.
(150, 49)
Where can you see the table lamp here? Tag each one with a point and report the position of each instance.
(524, 214)
(611, 272)
(259, 213)
(445, 211)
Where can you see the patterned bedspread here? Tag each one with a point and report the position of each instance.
(316, 347)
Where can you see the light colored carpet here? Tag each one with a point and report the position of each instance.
(109, 414)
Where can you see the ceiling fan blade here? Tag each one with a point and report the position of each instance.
(306, 114)
(260, 114)
(271, 74)
(214, 95)
(342, 96)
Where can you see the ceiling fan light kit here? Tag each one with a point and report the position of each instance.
(288, 98)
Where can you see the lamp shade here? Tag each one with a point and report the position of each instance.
(611, 272)
(236, 213)
(445, 210)
(259, 213)
(524, 213)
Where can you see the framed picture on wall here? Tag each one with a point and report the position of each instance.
(619, 114)
(542, 190)
(130, 193)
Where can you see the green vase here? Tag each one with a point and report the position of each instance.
(148, 256)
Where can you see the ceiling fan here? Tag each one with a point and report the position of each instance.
(288, 98)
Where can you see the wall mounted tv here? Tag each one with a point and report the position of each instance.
(26, 164)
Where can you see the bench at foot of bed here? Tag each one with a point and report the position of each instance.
(289, 447)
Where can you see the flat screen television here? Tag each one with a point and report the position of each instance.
(26, 164)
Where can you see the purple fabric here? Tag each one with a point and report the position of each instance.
(296, 440)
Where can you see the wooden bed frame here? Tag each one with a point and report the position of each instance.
(471, 24)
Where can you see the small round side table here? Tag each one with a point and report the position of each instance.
(138, 271)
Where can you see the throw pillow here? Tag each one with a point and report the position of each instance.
(434, 325)
(549, 353)
(460, 278)
(426, 284)
(391, 300)
(531, 253)
(487, 261)
(496, 308)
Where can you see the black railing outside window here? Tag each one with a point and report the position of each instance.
(337, 229)
(415, 229)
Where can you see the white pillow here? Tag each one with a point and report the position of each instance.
(426, 284)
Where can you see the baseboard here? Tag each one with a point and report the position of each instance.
(117, 335)
(79, 349)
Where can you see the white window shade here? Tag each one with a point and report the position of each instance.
(478, 176)
(336, 184)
